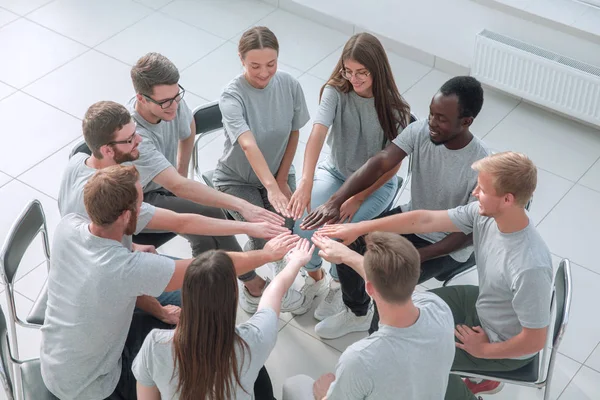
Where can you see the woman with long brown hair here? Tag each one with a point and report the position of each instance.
(363, 111)
(208, 357)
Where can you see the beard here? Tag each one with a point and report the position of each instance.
(439, 143)
(121, 157)
(132, 224)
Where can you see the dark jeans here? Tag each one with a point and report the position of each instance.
(461, 300)
(355, 296)
(263, 389)
(141, 325)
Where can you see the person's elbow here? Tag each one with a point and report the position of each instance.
(536, 338)
(378, 165)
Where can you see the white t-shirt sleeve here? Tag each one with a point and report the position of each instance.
(351, 379)
(407, 140)
(146, 213)
(142, 364)
(260, 332)
(234, 121)
(150, 163)
(301, 115)
(327, 107)
(464, 217)
(148, 274)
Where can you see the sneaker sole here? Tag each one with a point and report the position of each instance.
(321, 317)
(347, 332)
(492, 391)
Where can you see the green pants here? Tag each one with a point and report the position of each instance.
(461, 300)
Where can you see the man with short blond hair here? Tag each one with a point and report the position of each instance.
(502, 323)
(410, 356)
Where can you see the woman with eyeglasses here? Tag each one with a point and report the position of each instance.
(363, 111)
(263, 110)
(207, 356)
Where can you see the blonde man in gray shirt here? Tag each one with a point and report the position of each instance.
(409, 358)
(502, 323)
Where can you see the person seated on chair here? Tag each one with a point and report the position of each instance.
(263, 110)
(91, 333)
(110, 134)
(409, 358)
(167, 126)
(207, 355)
(442, 148)
(364, 111)
(502, 323)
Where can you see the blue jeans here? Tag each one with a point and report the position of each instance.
(327, 181)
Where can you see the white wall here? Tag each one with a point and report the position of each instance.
(447, 28)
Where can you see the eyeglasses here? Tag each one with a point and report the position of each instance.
(167, 103)
(360, 75)
(129, 140)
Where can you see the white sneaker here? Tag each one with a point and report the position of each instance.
(310, 290)
(332, 303)
(292, 300)
(343, 323)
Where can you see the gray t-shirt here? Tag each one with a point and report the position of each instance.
(270, 114)
(93, 283)
(441, 178)
(154, 365)
(158, 150)
(400, 363)
(70, 196)
(355, 133)
(515, 275)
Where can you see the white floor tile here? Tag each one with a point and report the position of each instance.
(569, 228)
(302, 43)
(158, 32)
(311, 87)
(89, 22)
(496, 106)
(47, 132)
(585, 386)
(594, 360)
(550, 189)
(299, 353)
(6, 17)
(591, 178)
(224, 18)
(4, 179)
(31, 284)
(47, 175)
(84, 81)
(208, 82)
(419, 96)
(23, 7)
(6, 90)
(34, 52)
(193, 101)
(325, 67)
(406, 72)
(563, 147)
(156, 4)
(295, 72)
(583, 330)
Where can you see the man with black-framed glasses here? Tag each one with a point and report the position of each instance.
(166, 124)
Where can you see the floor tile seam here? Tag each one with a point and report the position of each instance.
(311, 336)
(503, 118)
(27, 85)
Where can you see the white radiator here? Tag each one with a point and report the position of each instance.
(537, 75)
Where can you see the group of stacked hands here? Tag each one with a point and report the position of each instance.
(117, 325)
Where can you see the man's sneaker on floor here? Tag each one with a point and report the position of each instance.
(343, 323)
(484, 386)
(332, 303)
(310, 290)
(291, 301)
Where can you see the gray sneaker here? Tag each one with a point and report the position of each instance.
(292, 300)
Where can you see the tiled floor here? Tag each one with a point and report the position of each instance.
(60, 56)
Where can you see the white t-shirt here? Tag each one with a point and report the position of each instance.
(154, 365)
(93, 284)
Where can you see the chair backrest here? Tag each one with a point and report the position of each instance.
(208, 118)
(28, 225)
(563, 288)
(6, 366)
(80, 147)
